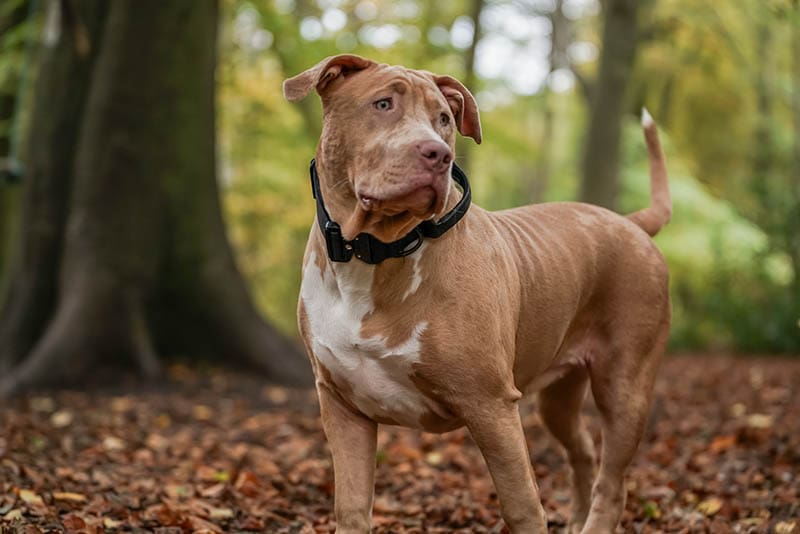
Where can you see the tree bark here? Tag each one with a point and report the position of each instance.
(59, 98)
(147, 267)
(470, 79)
(560, 39)
(794, 181)
(9, 195)
(600, 165)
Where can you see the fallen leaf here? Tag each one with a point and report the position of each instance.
(200, 526)
(178, 491)
(276, 395)
(113, 443)
(73, 522)
(61, 419)
(213, 491)
(220, 513)
(43, 404)
(202, 413)
(69, 496)
(13, 515)
(30, 497)
(785, 527)
(760, 421)
(710, 506)
(112, 523)
(248, 484)
(722, 443)
(651, 510)
(121, 404)
(434, 458)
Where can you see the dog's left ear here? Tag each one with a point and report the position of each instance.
(464, 106)
(321, 75)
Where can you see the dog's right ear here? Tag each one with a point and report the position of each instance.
(322, 74)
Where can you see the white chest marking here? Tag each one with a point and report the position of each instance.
(335, 304)
(416, 278)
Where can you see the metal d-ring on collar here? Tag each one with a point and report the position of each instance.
(370, 249)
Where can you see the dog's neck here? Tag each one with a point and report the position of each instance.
(355, 278)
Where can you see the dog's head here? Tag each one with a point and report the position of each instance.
(388, 140)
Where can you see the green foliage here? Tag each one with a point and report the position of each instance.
(728, 288)
(719, 89)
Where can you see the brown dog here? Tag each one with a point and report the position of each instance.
(548, 298)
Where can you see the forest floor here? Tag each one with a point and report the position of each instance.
(219, 451)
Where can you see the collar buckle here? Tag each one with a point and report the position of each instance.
(338, 248)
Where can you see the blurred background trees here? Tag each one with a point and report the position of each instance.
(560, 84)
(121, 252)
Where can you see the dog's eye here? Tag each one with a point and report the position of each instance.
(444, 119)
(384, 104)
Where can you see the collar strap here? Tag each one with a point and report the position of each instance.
(370, 249)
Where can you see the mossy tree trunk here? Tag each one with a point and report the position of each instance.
(62, 85)
(146, 267)
(11, 20)
(600, 164)
(794, 184)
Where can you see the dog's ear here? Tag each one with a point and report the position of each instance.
(322, 74)
(464, 106)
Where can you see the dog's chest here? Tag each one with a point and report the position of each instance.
(375, 377)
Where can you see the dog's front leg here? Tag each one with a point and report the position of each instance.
(497, 429)
(352, 439)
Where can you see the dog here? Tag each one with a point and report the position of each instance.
(418, 310)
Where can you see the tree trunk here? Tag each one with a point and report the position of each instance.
(794, 182)
(147, 267)
(560, 39)
(600, 166)
(9, 194)
(470, 79)
(59, 98)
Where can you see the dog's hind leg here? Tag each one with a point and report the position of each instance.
(622, 385)
(560, 408)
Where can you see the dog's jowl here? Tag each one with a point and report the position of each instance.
(422, 310)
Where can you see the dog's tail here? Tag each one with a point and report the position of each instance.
(653, 218)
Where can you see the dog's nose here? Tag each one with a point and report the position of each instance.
(435, 154)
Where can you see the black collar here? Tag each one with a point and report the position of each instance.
(368, 248)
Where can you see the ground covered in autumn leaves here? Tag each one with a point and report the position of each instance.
(222, 452)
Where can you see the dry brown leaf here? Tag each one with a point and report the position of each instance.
(61, 419)
(202, 412)
(30, 497)
(220, 513)
(69, 496)
(13, 515)
(113, 443)
(760, 421)
(213, 491)
(73, 522)
(722, 443)
(710, 506)
(112, 523)
(199, 525)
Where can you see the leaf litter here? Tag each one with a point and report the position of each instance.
(221, 451)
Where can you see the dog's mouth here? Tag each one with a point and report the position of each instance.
(421, 202)
(390, 211)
